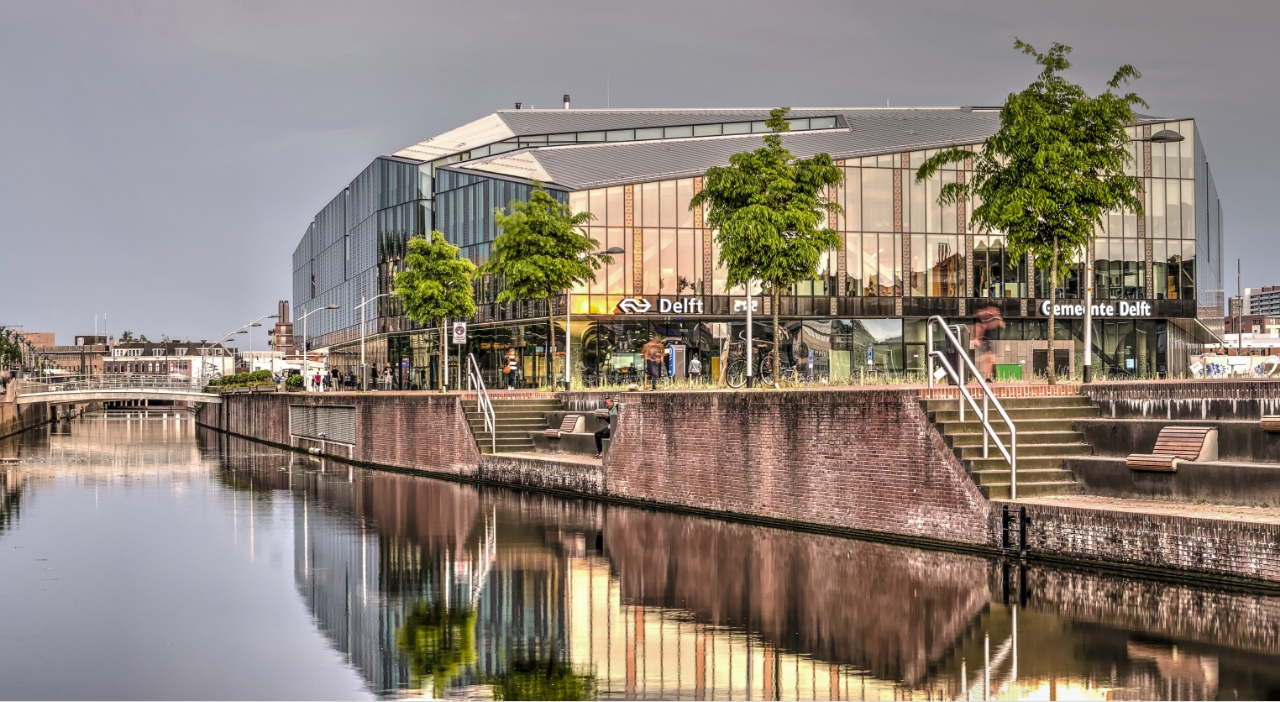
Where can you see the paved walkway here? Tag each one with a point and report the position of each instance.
(553, 457)
(1257, 515)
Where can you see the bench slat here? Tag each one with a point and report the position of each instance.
(1271, 423)
(1152, 462)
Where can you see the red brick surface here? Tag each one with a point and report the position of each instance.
(855, 459)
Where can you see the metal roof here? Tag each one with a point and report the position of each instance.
(870, 132)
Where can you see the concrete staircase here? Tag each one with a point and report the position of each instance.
(1045, 437)
(514, 419)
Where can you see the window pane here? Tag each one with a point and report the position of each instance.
(1157, 158)
(877, 200)
(919, 205)
(590, 136)
(1187, 129)
(598, 207)
(871, 264)
(684, 193)
(578, 201)
(917, 160)
(737, 128)
(822, 122)
(651, 133)
(798, 124)
(706, 130)
(675, 132)
(616, 272)
(616, 207)
(885, 160)
(1157, 209)
(1130, 224)
(1188, 278)
(853, 264)
(853, 199)
(1171, 165)
(757, 127)
(667, 208)
(933, 211)
(688, 270)
(1188, 210)
(1173, 208)
(650, 217)
(563, 138)
(667, 244)
(948, 211)
(919, 269)
(651, 267)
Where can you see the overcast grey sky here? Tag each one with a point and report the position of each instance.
(160, 161)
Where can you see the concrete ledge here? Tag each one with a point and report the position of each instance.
(574, 444)
(1225, 482)
(581, 477)
(1240, 440)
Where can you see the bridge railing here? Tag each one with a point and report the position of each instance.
(35, 386)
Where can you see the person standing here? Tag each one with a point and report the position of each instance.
(607, 431)
(386, 377)
(510, 368)
(652, 353)
(695, 370)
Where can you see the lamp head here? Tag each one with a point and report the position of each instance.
(333, 307)
(1166, 136)
(613, 250)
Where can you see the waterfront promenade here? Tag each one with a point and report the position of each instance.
(864, 461)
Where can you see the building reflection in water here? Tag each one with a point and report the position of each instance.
(443, 589)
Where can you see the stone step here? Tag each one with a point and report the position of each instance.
(1024, 438)
(1025, 477)
(1001, 492)
(1026, 426)
(1011, 402)
(517, 403)
(1026, 450)
(1020, 414)
(997, 462)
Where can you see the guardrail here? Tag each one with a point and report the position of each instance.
(95, 383)
(483, 404)
(988, 398)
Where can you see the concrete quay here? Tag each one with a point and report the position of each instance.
(864, 462)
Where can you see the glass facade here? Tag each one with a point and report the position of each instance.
(903, 258)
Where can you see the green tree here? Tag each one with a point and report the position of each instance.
(771, 211)
(1053, 169)
(541, 677)
(126, 336)
(10, 348)
(436, 285)
(542, 251)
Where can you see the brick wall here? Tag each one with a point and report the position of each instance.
(863, 459)
(1220, 548)
(422, 431)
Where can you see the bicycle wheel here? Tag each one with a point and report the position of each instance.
(736, 375)
(766, 373)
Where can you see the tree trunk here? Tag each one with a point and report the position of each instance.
(777, 342)
(1050, 371)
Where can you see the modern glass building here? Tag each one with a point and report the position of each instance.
(904, 257)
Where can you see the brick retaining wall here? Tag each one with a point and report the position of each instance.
(1214, 547)
(16, 418)
(1186, 399)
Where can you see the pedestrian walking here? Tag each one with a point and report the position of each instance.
(986, 332)
(510, 369)
(607, 431)
(652, 353)
(315, 382)
(325, 380)
(386, 377)
(695, 370)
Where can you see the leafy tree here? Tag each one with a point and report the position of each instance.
(542, 678)
(436, 285)
(10, 348)
(541, 251)
(771, 209)
(440, 643)
(126, 336)
(1053, 169)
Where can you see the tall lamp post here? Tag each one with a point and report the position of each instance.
(251, 325)
(1164, 136)
(306, 355)
(364, 372)
(568, 318)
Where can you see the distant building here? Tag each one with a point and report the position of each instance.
(281, 338)
(84, 358)
(1264, 300)
(1256, 324)
(174, 359)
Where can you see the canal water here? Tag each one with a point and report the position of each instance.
(146, 558)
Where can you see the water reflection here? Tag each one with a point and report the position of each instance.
(439, 588)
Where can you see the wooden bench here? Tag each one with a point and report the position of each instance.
(1271, 424)
(572, 424)
(1177, 443)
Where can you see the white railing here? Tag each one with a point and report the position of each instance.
(483, 404)
(109, 382)
(988, 398)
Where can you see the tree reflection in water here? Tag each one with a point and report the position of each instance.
(542, 677)
(439, 642)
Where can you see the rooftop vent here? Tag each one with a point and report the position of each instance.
(566, 101)
(518, 104)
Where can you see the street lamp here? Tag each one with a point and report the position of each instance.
(1164, 136)
(255, 323)
(568, 316)
(364, 372)
(306, 356)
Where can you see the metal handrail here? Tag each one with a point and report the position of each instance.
(483, 403)
(988, 398)
(110, 382)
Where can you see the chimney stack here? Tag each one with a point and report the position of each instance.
(566, 102)
(518, 105)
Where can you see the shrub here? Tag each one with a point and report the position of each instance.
(294, 381)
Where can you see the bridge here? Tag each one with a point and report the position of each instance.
(80, 390)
